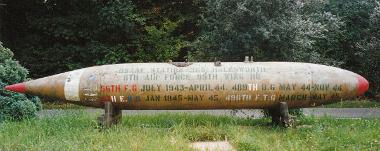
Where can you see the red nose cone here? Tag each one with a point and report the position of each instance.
(19, 87)
(362, 85)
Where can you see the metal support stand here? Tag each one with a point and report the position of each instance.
(111, 116)
(280, 115)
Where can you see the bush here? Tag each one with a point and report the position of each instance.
(14, 106)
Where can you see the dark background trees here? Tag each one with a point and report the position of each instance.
(53, 36)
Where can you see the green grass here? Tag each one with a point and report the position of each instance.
(79, 131)
(354, 104)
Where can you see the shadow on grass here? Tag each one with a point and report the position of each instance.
(201, 127)
(167, 120)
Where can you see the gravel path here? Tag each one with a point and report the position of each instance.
(344, 112)
(254, 113)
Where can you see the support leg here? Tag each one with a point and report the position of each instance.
(111, 116)
(280, 114)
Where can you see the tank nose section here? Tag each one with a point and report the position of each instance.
(19, 87)
(362, 85)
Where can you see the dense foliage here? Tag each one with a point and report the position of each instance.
(54, 36)
(269, 30)
(14, 106)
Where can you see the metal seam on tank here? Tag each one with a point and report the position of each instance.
(310, 73)
(72, 84)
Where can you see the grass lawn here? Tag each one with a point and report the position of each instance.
(78, 131)
(354, 104)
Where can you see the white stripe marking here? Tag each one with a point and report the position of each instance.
(72, 85)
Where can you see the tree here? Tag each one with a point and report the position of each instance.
(14, 106)
(369, 51)
(268, 30)
(50, 37)
(66, 35)
(358, 38)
